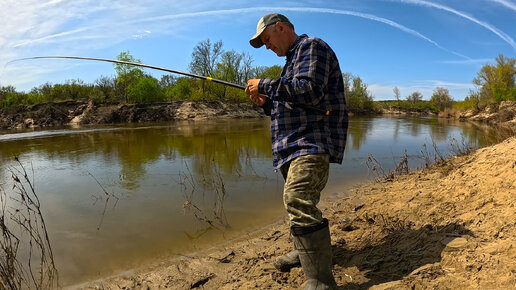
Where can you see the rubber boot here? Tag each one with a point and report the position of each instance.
(288, 261)
(314, 246)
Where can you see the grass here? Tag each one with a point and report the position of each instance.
(430, 154)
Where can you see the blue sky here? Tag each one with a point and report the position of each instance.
(410, 44)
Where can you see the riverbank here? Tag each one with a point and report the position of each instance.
(87, 113)
(451, 226)
(504, 114)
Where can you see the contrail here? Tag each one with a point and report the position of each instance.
(506, 4)
(300, 9)
(266, 9)
(488, 26)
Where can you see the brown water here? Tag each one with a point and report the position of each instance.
(181, 186)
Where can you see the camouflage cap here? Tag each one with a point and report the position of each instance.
(265, 21)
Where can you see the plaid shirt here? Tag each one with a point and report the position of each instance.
(311, 76)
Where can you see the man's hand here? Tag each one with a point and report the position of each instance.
(252, 90)
(252, 87)
(258, 99)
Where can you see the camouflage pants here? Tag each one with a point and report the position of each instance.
(305, 178)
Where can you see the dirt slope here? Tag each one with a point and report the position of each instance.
(87, 113)
(449, 227)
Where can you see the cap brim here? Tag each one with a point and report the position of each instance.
(256, 42)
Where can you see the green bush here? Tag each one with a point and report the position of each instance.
(145, 90)
(182, 90)
(464, 105)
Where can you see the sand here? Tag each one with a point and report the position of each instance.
(451, 226)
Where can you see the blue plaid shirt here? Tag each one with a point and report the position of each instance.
(310, 77)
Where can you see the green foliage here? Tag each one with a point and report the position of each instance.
(125, 69)
(415, 98)
(409, 106)
(272, 72)
(105, 90)
(441, 99)
(167, 81)
(205, 57)
(181, 90)
(126, 74)
(145, 90)
(464, 105)
(10, 99)
(358, 99)
(496, 83)
(72, 90)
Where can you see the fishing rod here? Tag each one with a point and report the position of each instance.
(226, 83)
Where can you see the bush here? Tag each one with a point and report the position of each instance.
(145, 90)
(182, 90)
(464, 105)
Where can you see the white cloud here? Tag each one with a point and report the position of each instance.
(458, 91)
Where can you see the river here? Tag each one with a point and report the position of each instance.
(119, 197)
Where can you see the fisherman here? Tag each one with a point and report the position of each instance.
(304, 140)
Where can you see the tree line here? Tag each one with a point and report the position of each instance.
(131, 84)
(493, 85)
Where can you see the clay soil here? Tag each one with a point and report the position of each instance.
(87, 113)
(451, 226)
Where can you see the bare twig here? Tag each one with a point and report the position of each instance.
(22, 207)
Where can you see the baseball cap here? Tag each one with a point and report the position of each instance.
(265, 21)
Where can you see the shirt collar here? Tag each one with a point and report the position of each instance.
(294, 46)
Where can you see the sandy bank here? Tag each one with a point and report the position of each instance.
(87, 113)
(452, 226)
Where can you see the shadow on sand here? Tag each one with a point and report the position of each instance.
(397, 255)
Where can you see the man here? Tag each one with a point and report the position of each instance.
(308, 130)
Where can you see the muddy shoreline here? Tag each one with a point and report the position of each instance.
(451, 226)
(87, 113)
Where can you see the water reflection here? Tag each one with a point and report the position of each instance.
(185, 184)
(226, 144)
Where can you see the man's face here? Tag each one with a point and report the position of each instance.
(274, 39)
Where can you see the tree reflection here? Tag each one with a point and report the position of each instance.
(224, 144)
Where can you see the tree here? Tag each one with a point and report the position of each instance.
(124, 69)
(204, 58)
(126, 74)
(4, 91)
(272, 72)
(441, 99)
(106, 85)
(228, 68)
(358, 99)
(167, 81)
(415, 97)
(496, 83)
(181, 90)
(247, 68)
(8, 96)
(397, 94)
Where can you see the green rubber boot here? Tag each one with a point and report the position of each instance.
(288, 261)
(314, 246)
